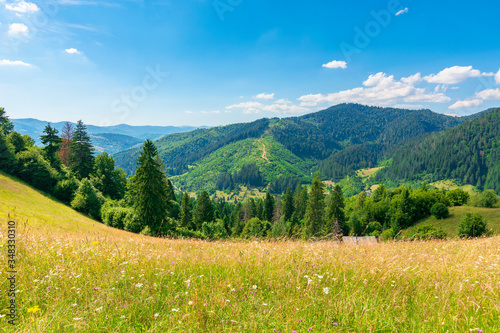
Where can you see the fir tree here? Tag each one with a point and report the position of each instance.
(335, 216)
(315, 211)
(6, 126)
(150, 188)
(268, 208)
(81, 152)
(204, 211)
(287, 205)
(186, 217)
(52, 143)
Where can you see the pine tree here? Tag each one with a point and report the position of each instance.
(150, 192)
(81, 152)
(287, 205)
(268, 208)
(204, 211)
(66, 137)
(335, 217)
(315, 211)
(6, 126)
(186, 217)
(52, 143)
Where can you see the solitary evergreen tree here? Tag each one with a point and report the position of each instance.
(186, 217)
(315, 211)
(204, 210)
(6, 126)
(150, 192)
(268, 207)
(300, 198)
(335, 217)
(52, 143)
(81, 152)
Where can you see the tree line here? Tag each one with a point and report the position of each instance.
(148, 202)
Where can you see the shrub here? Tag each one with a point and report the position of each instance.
(256, 228)
(65, 189)
(214, 230)
(387, 234)
(36, 171)
(428, 231)
(457, 197)
(132, 222)
(472, 225)
(186, 233)
(487, 199)
(87, 200)
(374, 229)
(440, 211)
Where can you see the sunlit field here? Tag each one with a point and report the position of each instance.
(141, 284)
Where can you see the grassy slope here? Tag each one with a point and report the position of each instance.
(72, 279)
(35, 211)
(233, 157)
(450, 225)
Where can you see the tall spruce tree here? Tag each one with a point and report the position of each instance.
(81, 152)
(287, 205)
(150, 192)
(6, 126)
(204, 210)
(52, 142)
(335, 216)
(315, 211)
(268, 208)
(186, 217)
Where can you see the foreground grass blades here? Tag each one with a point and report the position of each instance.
(132, 283)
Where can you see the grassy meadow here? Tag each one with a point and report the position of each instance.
(76, 275)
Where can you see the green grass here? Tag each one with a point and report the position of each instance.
(449, 184)
(89, 279)
(450, 225)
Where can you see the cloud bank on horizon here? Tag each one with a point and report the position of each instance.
(235, 67)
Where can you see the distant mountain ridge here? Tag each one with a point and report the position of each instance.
(110, 139)
(335, 141)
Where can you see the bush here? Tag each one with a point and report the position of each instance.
(256, 228)
(132, 222)
(457, 197)
(487, 199)
(427, 232)
(374, 229)
(214, 230)
(36, 171)
(87, 200)
(387, 234)
(8, 162)
(472, 225)
(186, 233)
(65, 189)
(146, 231)
(440, 211)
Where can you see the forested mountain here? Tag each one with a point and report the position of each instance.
(110, 139)
(283, 152)
(469, 153)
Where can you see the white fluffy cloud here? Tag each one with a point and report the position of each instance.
(265, 96)
(18, 29)
(380, 89)
(73, 51)
(22, 7)
(244, 105)
(14, 63)
(489, 94)
(497, 77)
(402, 11)
(466, 104)
(278, 106)
(336, 64)
(453, 75)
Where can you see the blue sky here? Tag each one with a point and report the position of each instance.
(197, 62)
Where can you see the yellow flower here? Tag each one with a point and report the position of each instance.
(95, 242)
(34, 309)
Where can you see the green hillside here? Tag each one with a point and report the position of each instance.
(469, 154)
(450, 225)
(36, 212)
(336, 141)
